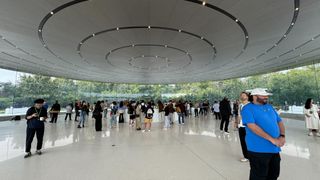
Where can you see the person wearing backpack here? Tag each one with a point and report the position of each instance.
(114, 111)
(148, 118)
(97, 115)
(139, 115)
(131, 112)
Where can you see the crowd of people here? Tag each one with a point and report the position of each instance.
(261, 130)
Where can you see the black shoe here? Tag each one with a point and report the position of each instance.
(27, 155)
(39, 152)
(79, 126)
(138, 129)
(50, 122)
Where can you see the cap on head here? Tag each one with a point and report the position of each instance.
(260, 92)
(39, 101)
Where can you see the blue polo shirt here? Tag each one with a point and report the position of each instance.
(267, 119)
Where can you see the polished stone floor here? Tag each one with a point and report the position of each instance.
(195, 151)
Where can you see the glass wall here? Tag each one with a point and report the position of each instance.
(290, 88)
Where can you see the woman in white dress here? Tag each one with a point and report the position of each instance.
(311, 116)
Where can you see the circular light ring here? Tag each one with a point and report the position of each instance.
(150, 45)
(43, 22)
(210, 44)
(289, 29)
(144, 56)
(243, 28)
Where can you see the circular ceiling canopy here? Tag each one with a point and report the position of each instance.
(157, 41)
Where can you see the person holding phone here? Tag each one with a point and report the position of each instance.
(35, 116)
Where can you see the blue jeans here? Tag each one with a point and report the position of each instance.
(181, 118)
(113, 120)
(83, 116)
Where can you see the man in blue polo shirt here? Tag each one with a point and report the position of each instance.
(265, 134)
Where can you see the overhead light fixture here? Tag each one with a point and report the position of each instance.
(201, 37)
(81, 43)
(39, 30)
(93, 35)
(179, 30)
(292, 24)
(149, 27)
(51, 13)
(165, 46)
(247, 37)
(297, 9)
(285, 35)
(132, 45)
(203, 3)
(237, 20)
(117, 29)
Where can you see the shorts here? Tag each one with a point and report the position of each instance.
(146, 120)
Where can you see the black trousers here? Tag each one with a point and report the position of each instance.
(30, 135)
(264, 166)
(217, 115)
(121, 118)
(68, 114)
(196, 112)
(242, 137)
(98, 124)
(225, 122)
(76, 115)
(54, 117)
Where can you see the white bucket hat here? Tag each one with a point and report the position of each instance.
(259, 91)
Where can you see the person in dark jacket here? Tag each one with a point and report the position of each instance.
(35, 116)
(55, 110)
(97, 115)
(225, 111)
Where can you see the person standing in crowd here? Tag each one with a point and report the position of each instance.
(77, 109)
(161, 111)
(139, 115)
(196, 109)
(216, 110)
(166, 117)
(244, 97)
(97, 115)
(236, 114)
(131, 112)
(55, 110)
(225, 111)
(105, 109)
(171, 111)
(265, 135)
(148, 117)
(68, 112)
(114, 111)
(83, 114)
(311, 117)
(180, 108)
(206, 106)
(35, 116)
(121, 111)
(45, 105)
(201, 108)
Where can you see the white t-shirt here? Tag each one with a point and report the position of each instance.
(216, 107)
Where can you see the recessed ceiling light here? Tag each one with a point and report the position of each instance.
(312, 39)
(51, 13)
(81, 43)
(165, 46)
(292, 24)
(203, 3)
(201, 37)
(275, 45)
(93, 35)
(132, 45)
(179, 30)
(297, 9)
(237, 20)
(117, 29)
(39, 30)
(149, 27)
(285, 35)
(247, 37)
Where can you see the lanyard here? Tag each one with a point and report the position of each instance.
(37, 111)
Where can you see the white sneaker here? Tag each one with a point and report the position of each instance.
(149, 130)
(226, 133)
(143, 131)
(165, 129)
(310, 134)
(244, 160)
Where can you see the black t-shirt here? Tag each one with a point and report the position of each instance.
(35, 121)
